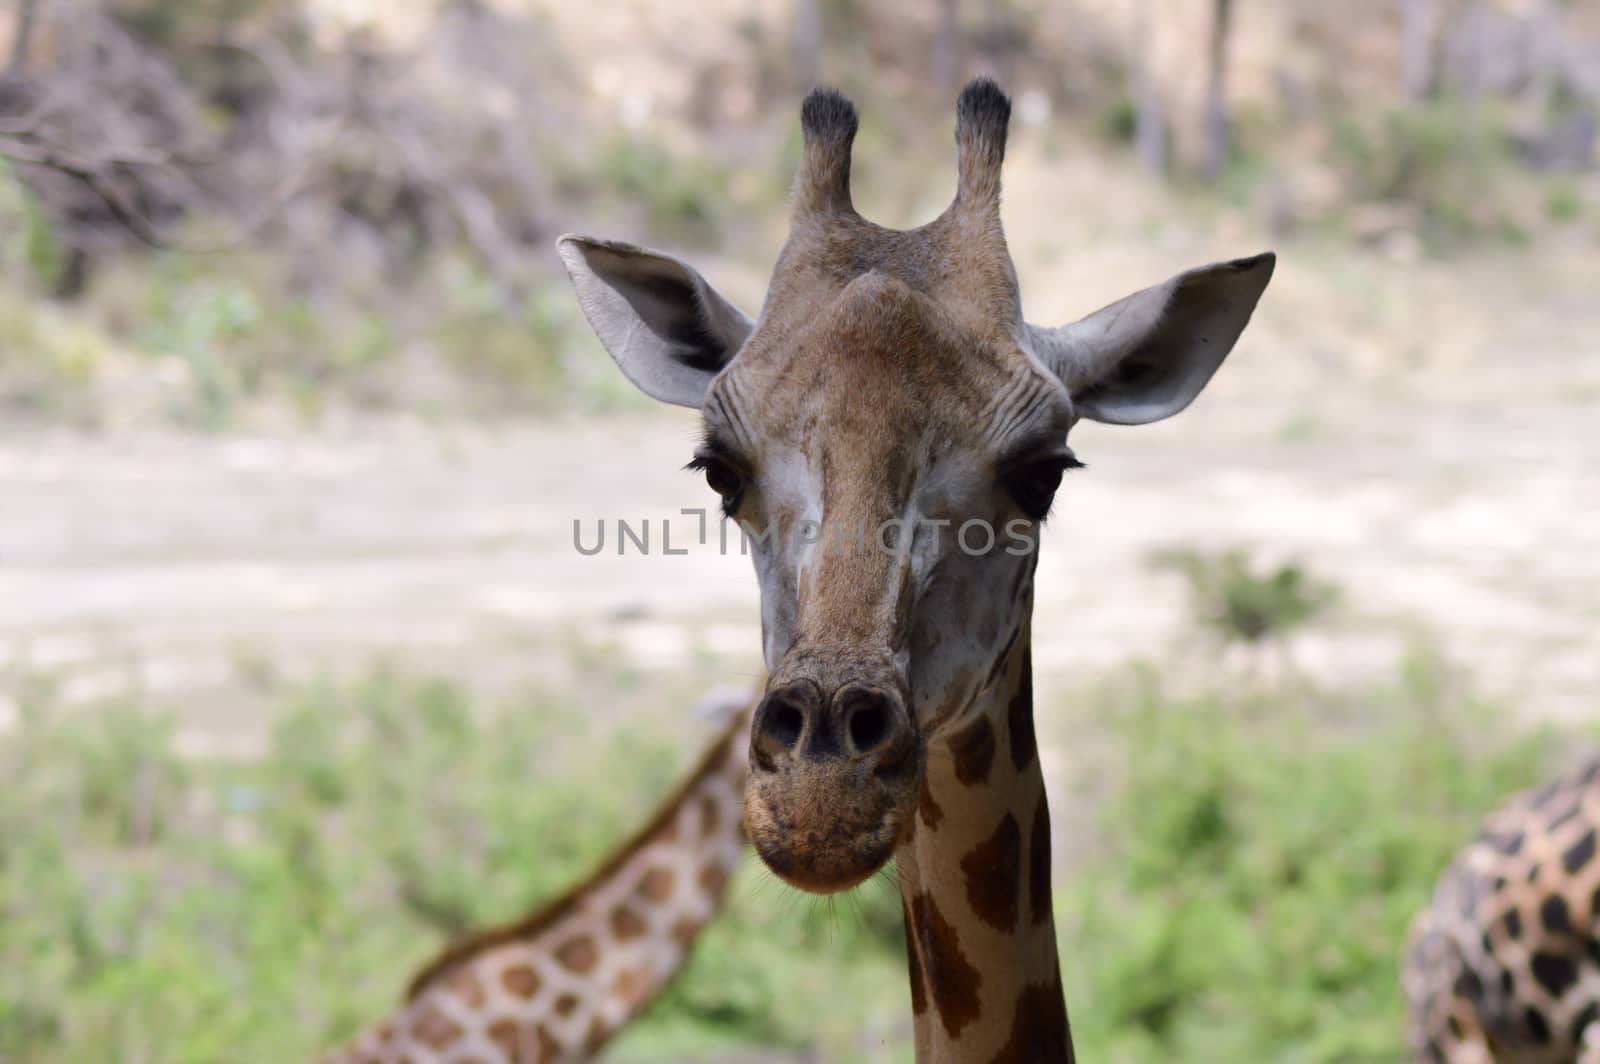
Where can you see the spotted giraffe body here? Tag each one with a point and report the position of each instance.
(556, 985)
(1503, 966)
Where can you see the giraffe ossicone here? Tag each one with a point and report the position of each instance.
(890, 380)
(555, 986)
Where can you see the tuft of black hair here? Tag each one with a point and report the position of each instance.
(1253, 261)
(828, 114)
(983, 107)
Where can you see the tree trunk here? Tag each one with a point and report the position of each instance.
(947, 47)
(807, 43)
(27, 17)
(1417, 67)
(1149, 120)
(1216, 157)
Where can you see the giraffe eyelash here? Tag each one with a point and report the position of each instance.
(1032, 484)
(721, 477)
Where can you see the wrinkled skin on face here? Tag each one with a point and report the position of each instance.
(880, 452)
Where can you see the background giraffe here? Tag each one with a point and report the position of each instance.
(1503, 965)
(557, 984)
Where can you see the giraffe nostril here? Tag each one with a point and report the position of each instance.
(868, 725)
(779, 725)
(784, 724)
(871, 722)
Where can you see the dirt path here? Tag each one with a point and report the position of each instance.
(182, 566)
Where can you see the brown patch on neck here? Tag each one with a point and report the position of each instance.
(1039, 863)
(919, 993)
(994, 876)
(520, 1043)
(656, 884)
(520, 980)
(465, 985)
(972, 751)
(684, 931)
(712, 879)
(598, 1035)
(660, 826)
(928, 806)
(1040, 1033)
(578, 954)
(708, 817)
(435, 1030)
(627, 924)
(633, 987)
(505, 1036)
(951, 979)
(1019, 716)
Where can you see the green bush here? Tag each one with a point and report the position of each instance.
(180, 911)
(1243, 897)
(1263, 853)
(1448, 158)
(1238, 603)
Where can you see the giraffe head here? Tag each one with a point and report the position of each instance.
(890, 432)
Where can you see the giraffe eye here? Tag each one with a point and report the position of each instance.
(722, 478)
(1032, 484)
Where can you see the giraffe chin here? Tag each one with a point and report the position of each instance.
(824, 828)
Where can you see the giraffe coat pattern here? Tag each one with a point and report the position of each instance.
(1503, 966)
(555, 986)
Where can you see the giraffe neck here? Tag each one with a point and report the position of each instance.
(561, 982)
(975, 886)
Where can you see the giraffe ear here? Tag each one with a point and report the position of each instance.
(1146, 357)
(667, 329)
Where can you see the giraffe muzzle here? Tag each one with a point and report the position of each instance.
(833, 781)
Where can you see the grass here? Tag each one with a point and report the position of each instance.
(1256, 855)
(178, 911)
(1238, 603)
(1449, 159)
(1263, 853)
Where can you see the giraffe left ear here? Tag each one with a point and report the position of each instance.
(667, 329)
(1146, 357)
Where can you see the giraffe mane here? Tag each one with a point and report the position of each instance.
(548, 913)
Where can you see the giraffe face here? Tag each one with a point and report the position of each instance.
(890, 433)
(890, 466)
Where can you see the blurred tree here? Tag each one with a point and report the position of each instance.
(1216, 117)
(1150, 122)
(1242, 605)
(1418, 38)
(947, 47)
(807, 43)
(27, 18)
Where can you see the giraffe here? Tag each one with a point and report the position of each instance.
(889, 434)
(554, 986)
(1503, 963)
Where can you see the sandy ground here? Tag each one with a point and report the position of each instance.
(180, 566)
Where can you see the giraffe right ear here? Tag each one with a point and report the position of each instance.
(664, 326)
(1146, 357)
